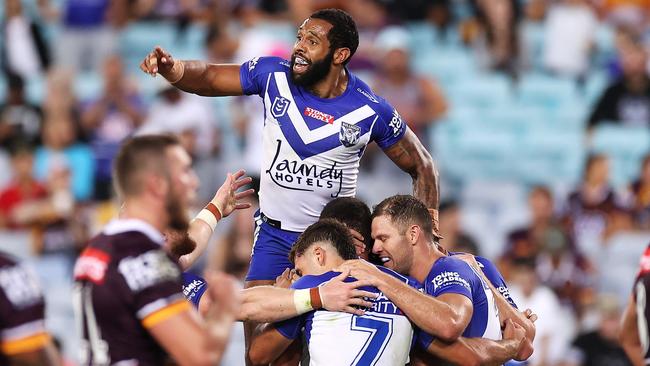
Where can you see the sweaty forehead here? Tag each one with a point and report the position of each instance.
(317, 27)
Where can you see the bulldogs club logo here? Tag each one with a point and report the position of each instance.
(280, 106)
(349, 134)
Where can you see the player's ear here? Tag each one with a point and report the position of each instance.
(319, 253)
(156, 184)
(341, 55)
(414, 234)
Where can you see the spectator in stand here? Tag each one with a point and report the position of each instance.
(20, 121)
(23, 48)
(640, 196)
(528, 241)
(418, 99)
(600, 347)
(567, 273)
(588, 207)
(89, 32)
(109, 119)
(60, 99)
(625, 13)
(455, 240)
(61, 151)
(554, 327)
(185, 115)
(22, 190)
(570, 32)
(499, 21)
(627, 100)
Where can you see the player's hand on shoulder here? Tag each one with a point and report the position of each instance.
(158, 61)
(337, 295)
(362, 270)
(227, 199)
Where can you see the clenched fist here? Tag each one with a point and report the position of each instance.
(161, 62)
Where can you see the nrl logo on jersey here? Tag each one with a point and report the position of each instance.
(349, 134)
(280, 106)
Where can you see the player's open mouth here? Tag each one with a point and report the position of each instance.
(384, 260)
(300, 65)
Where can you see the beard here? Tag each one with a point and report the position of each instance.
(177, 216)
(179, 243)
(314, 73)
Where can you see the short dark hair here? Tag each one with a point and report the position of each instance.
(352, 212)
(136, 154)
(344, 32)
(406, 210)
(327, 230)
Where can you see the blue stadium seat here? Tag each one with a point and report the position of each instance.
(625, 146)
(546, 91)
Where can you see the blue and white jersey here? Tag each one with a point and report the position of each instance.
(493, 274)
(312, 146)
(383, 336)
(451, 275)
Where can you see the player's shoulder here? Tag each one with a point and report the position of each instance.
(365, 92)
(408, 280)
(451, 267)
(266, 64)
(130, 237)
(309, 281)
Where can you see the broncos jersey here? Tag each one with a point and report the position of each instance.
(312, 146)
(382, 336)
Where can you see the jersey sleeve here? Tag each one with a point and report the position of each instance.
(22, 311)
(153, 281)
(254, 73)
(495, 277)
(389, 127)
(453, 276)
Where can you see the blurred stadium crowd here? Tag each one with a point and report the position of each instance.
(537, 113)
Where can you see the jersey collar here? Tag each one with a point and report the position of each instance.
(119, 226)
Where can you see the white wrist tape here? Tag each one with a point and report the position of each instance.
(208, 217)
(302, 301)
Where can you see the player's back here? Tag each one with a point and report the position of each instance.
(383, 336)
(125, 282)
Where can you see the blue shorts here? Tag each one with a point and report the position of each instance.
(271, 247)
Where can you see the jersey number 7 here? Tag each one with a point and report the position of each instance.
(380, 330)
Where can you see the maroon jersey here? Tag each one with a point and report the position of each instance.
(125, 283)
(22, 326)
(641, 291)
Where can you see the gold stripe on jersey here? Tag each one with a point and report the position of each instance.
(27, 344)
(165, 313)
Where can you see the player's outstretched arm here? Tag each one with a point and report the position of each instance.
(412, 157)
(445, 317)
(267, 344)
(629, 336)
(196, 77)
(226, 201)
(481, 351)
(266, 304)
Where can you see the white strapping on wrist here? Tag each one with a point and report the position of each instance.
(208, 217)
(302, 301)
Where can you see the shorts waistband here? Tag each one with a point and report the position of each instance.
(273, 223)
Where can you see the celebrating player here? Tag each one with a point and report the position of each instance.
(319, 120)
(401, 229)
(23, 338)
(383, 336)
